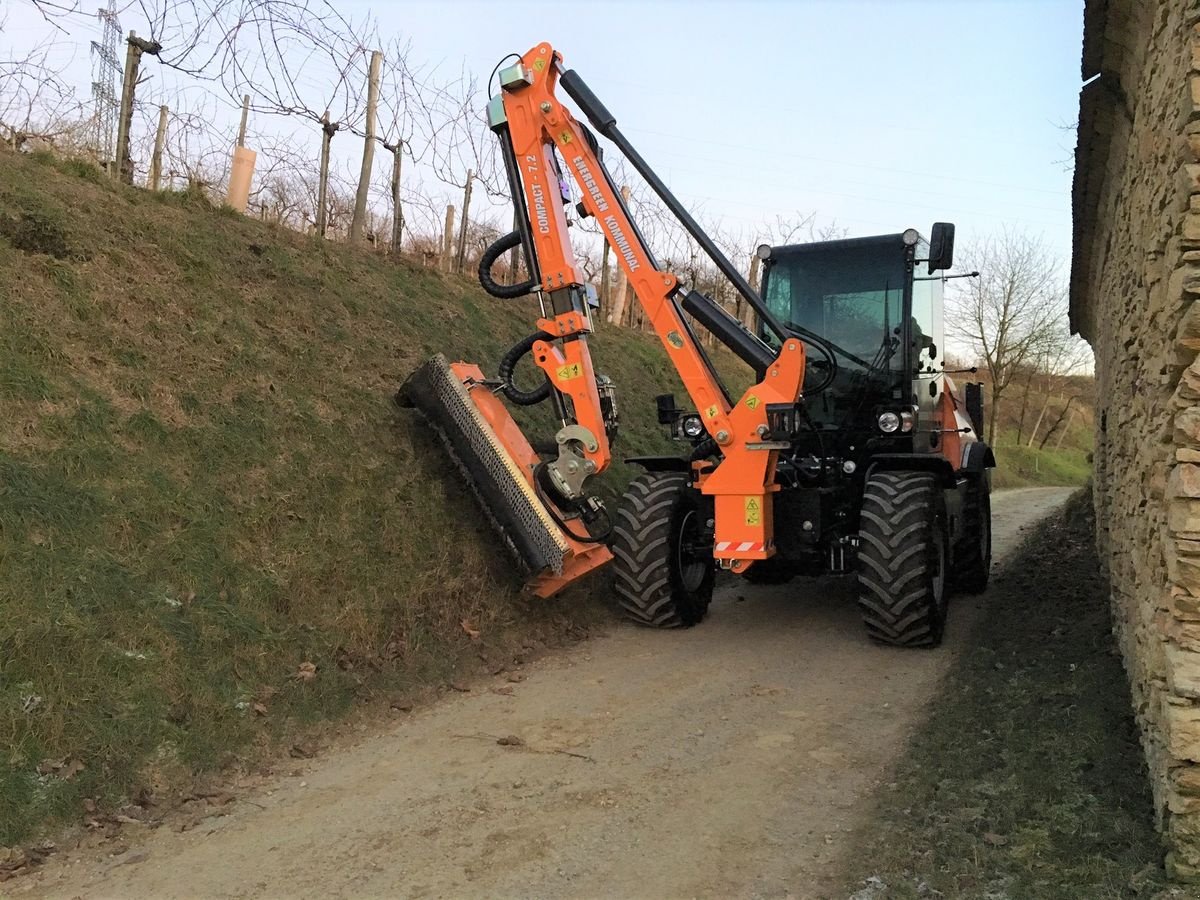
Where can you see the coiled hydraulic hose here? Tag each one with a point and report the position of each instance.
(490, 284)
(508, 366)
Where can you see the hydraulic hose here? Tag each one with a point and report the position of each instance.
(490, 284)
(508, 366)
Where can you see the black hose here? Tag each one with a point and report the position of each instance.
(490, 284)
(508, 366)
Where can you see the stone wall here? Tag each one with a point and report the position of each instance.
(1135, 283)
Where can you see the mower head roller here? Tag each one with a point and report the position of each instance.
(498, 463)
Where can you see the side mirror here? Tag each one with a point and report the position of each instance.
(668, 412)
(941, 247)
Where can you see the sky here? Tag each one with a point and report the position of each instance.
(876, 116)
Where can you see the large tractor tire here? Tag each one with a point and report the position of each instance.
(973, 565)
(902, 559)
(663, 565)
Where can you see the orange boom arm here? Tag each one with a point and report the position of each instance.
(536, 130)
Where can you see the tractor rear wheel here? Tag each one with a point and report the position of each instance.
(902, 559)
(662, 548)
(974, 563)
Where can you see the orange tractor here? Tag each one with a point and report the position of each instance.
(849, 453)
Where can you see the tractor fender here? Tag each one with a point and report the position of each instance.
(660, 463)
(913, 462)
(977, 457)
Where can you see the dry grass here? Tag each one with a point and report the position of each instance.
(204, 483)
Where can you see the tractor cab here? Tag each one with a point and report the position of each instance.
(870, 312)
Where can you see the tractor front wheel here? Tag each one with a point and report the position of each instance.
(662, 548)
(902, 559)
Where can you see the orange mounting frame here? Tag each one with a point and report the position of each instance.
(582, 557)
(539, 125)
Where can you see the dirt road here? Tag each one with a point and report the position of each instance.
(727, 760)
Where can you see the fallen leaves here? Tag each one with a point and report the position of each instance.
(14, 861)
(64, 768)
(306, 671)
(472, 632)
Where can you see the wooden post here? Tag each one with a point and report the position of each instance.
(160, 137)
(241, 142)
(368, 158)
(1066, 426)
(397, 211)
(328, 130)
(462, 228)
(1038, 423)
(617, 312)
(448, 238)
(132, 56)
(134, 48)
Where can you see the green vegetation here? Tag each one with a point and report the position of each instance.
(1025, 466)
(1018, 465)
(1027, 780)
(204, 484)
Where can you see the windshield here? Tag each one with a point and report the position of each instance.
(852, 294)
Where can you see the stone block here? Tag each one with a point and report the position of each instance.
(1184, 481)
(1183, 679)
(1186, 780)
(1191, 222)
(1182, 726)
(1183, 516)
(1184, 606)
(1187, 426)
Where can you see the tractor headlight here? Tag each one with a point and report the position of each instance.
(888, 422)
(907, 420)
(691, 426)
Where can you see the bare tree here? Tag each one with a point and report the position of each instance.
(1013, 312)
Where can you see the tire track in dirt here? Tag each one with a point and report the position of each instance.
(729, 759)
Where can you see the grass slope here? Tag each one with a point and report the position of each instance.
(204, 483)
(1027, 780)
(1024, 466)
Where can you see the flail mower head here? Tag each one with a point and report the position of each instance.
(498, 463)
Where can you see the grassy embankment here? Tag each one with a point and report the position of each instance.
(1027, 780)
(1065, 458)
(205, 485)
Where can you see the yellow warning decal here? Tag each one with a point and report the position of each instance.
(752, 402)
(711, 412)
(566, 373)
(565, 137)
(539, 64)
(753, 510)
